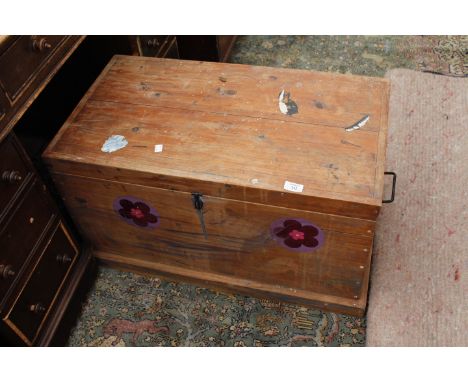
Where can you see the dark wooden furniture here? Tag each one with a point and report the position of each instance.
(27, 64)
(205, 48)
(202, 48)
(214, 205)
(41, 260)
(156, 46)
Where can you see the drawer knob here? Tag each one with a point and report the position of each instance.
(64, 259)
(6, 271)
(37, 308)
(40, 44)
(11, 176)
(153, 43)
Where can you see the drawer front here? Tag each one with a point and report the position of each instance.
(37, 298)
(14, 170)
(151, 45)
(21, 233)
(20, 62)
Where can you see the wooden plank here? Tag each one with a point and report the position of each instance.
(359, 208)
(323, 98)
(238, 242)
(230, 284)
(271, 152)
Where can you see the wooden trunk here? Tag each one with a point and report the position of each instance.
(227, 152)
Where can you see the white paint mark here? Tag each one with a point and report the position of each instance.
(282, 106)
(114, 143)
(158, 148)
(286, 104)
(295, 187)
(358, 124)
(254, 181)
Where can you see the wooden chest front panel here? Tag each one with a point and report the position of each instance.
(238, 243)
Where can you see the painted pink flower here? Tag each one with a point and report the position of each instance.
(296, 234)
(138, 212)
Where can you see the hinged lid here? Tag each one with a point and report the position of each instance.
(223, 133)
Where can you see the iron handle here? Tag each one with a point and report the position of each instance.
(11, 176)
(153, 43)
(392, 197)
(6, 271)
(37, 308)
(40, 44)
(63, 259)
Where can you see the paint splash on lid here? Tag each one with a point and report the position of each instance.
(358, 124)
(286, 104)
(114, 143)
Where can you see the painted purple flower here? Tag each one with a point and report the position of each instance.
(297, 234)
(136, 212)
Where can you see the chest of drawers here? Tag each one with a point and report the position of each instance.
(41, 260)
(39, 257)
(27, 63)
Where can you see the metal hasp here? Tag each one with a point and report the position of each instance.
(198, 205)
(392, 198)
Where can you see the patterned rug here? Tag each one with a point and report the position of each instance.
(125, 309)
(364, 55)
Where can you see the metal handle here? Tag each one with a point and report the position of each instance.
(6, 271)
(40, 44)
(153, 43)
(11, 176)
(37, 308)
(392, 198)
(63, 259)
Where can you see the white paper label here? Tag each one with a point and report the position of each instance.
(158, 148)
(295, 187)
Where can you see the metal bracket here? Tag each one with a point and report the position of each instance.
(392, 198)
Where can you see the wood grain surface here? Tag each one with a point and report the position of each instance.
(221, 124)
(224, 136)
(238, 241)
(231, 284)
